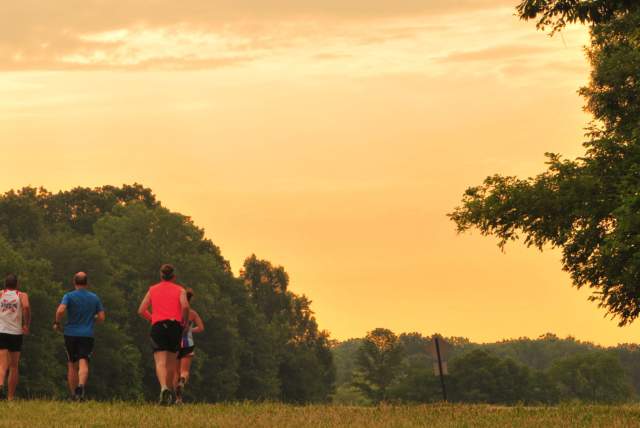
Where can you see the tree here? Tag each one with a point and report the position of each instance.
(559, 13)
(595, 377)
(379, 361)
(480, 377)
(306, 372)
(344, 357)
(589, 206)
(629, 357)
(541, 353)
(417, 385)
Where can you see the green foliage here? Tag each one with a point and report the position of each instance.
(344, 359)
(528, 371)
(480, 377)
(417, 384)
(595, 377)
(260, 343)
(559, 13)
(540, 353)
(378, 361)
(305, 362)
(349, 395)
(629, 357)
(588, 207)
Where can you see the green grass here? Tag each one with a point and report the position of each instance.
(91, 414)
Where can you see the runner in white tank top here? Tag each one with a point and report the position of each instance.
(186, 353)
(10, 312)
(15, 317)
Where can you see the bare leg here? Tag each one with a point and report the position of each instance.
(4, 365)
(83, 371)
(176, 376)
(185, 367)
(72, 376)
(14, 361)
(171, 366)
(160, 358)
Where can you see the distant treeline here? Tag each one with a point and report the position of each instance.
(261, 340)
(546, 370)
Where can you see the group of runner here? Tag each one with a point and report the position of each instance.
(166, 306)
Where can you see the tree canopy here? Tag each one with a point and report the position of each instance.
(261, 342)
(588, 207)
(378, 362)
(559, 13)
(545, 370)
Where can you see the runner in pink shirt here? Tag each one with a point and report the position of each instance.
(169, 318)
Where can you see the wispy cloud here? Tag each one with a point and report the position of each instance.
(138, 34)
(504, 52)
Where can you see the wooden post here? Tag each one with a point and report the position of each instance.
(444, 389)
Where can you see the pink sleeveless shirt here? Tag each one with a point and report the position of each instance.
(165, 302)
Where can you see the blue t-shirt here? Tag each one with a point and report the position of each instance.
(82, 307)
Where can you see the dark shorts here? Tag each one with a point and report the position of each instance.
(166, 336)
(186, 352)
(78, 348)
(11, 342)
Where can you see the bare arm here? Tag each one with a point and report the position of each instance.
(199, 328)
(59, 313)
(26, 312)
(184, 304)
(143, 310)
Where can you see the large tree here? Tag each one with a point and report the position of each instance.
(304, 361)
(379, 362)
(589, 207)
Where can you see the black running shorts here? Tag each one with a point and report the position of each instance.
(78, 348)
(166, 335)
(186, 352)
(11, 342)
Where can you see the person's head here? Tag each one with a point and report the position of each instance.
(11, 282)
(167, 272)
(189, 294)
(80, 279)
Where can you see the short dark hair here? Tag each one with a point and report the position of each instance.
(11, 281)
(167, 272)
(189, 293)
(80, 278)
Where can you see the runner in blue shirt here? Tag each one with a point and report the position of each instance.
(83, 309)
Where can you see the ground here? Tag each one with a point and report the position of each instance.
(91, 414)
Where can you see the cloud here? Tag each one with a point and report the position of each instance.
(46, 34)
(494, 53)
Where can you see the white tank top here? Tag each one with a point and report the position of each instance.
(187, 338)
(10, 312)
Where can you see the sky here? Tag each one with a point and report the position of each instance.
(328, 136)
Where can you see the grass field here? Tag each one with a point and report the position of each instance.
(90, 414)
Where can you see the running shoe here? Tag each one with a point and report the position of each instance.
(166, 397)
(78, 393)
(3, 395)
(179, 390)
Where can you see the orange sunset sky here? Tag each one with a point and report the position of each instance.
(328, 136)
